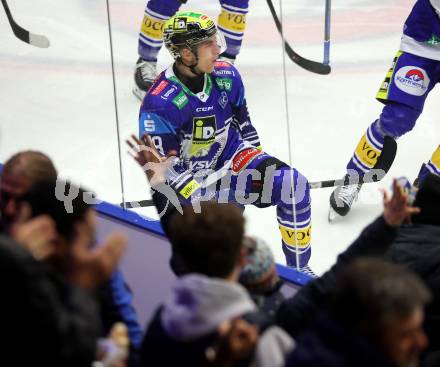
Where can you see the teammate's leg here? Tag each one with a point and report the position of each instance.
(404, 90)
(232, 22)
(157, 12)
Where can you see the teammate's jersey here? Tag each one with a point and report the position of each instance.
(206, 128)
(421, 32)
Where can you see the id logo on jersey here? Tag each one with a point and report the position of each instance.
(203, 134)
(412, 80)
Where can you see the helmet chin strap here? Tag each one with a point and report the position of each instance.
(193, 66)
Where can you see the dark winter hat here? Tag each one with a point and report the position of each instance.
(428, 200)
(259, 270)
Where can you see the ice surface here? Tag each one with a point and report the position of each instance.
(60, 100)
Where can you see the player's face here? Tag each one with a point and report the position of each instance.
(208, 52)
(12, 187)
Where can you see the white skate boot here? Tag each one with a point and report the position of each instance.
(341, 200)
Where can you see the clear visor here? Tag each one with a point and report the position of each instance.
(221, 42)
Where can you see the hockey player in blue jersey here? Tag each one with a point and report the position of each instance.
(197, 107)
(414, 73)
(231, 21)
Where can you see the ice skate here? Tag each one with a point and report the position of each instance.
(144, 76)
(342, 199)
(307, 271)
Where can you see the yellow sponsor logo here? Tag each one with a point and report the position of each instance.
(189, 189)
(301, 237)
(366, 153)
(436, 158)
(152, 27)
(382, 94)
(234, 22)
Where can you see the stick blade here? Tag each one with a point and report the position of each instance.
(38, 40)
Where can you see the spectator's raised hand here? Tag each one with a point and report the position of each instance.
(152, 162)
(90, 267)
(396, 209)
(37, 235)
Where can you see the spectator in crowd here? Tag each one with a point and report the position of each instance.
(187, 328)
(49, 309)
(299, 312)
(374, 319)
(259, 276)
(19, 173)
(417, 246)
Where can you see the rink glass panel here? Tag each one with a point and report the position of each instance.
(59, 100)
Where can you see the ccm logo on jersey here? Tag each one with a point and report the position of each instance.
(243, 158)
(204, 109)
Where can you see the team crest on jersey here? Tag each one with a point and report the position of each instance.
(203, 136)
(223, 100)
(412, 80)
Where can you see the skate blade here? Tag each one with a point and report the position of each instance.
(332, 215)
(139, 93)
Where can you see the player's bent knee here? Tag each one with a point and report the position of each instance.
(397, 119)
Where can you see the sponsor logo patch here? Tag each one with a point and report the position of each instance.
(434, 40)
(159, 88)
(152, 27)
(366, 153)
(222, 64)
(234, 22)
(301, 237)
(412, 80)
(189, 189)
(224, 83)
(242, 159)
(168, 93)
(179, 23)
(203, 134)
(180, 100)
(224, 72)
(382, 94)
(149, 126)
